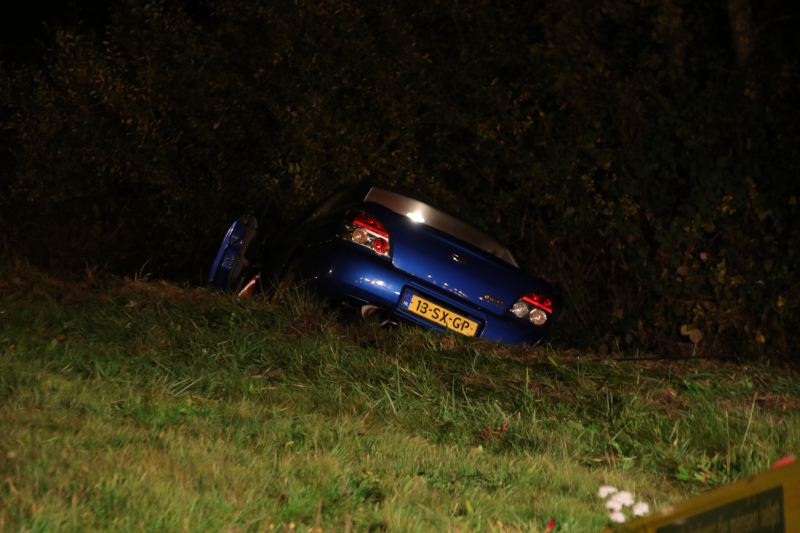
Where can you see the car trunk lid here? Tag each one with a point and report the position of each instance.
(445, 262)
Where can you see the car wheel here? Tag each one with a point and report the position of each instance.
(372, 314)
(241, 270)
(232, 267)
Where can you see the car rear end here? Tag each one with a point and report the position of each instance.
(379, 255)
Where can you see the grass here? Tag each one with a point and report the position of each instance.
(130, 405)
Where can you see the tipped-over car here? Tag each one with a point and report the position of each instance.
(395, 258)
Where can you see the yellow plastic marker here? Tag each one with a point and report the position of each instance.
(768, 502)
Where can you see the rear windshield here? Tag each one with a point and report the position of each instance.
(423, 213)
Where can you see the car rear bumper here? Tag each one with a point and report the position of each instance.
(344, 271)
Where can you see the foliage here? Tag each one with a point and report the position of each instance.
(614, 144)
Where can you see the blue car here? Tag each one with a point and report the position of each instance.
(393, 257)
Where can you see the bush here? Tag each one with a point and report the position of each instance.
(614, 145)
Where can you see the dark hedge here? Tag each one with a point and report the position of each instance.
(615, 145)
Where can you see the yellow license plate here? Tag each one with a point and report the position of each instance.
(439, 315)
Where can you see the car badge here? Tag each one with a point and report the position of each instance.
(460, 258)
(494, 301)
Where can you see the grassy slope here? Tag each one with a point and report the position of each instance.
(141, 406)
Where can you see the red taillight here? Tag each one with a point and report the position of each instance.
(380, 246)
(365, 231)
(539, 301)
(533, 307)
(365, 221)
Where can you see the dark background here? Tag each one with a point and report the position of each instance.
(22, 24)
(641, 155)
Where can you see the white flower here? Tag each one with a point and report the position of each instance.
(605, 490)
(624, 497)
(617, 517)
(614, 505)
(641, 509)
(704, 256)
